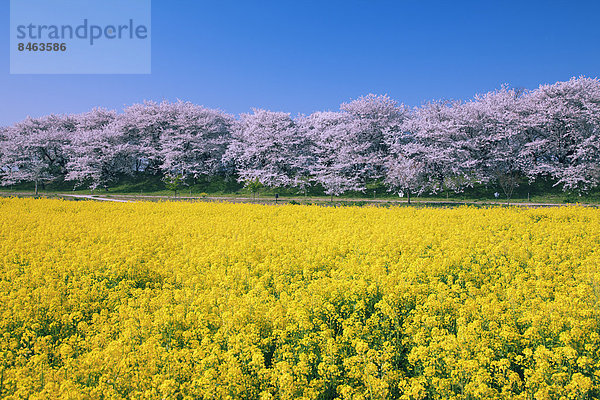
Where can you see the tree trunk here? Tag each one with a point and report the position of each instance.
(36, 187)
(408, 194)
(508, 183)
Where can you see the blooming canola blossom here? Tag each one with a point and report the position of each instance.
(217, 300)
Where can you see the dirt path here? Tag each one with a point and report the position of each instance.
(132, 198)
(265, 200)
(90, 197)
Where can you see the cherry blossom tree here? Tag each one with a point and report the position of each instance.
(405, 175)
(3, 148)
(433, 132)
(100, 156)
(566, 119)
(490, 139)
(175, 138)
(143, 126)
(267, 148)
(196, 141)
(336, 158)
(34, 150)
(374, 119)
(500, 137)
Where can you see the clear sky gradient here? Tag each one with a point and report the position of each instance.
(302, 56)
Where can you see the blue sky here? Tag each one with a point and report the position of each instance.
(302, 56)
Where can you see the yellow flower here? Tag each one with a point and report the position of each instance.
(216, 301)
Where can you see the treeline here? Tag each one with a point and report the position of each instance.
(498, 138)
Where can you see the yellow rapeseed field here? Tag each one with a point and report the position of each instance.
(228, 301)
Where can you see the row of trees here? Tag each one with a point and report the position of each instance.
(500, 138)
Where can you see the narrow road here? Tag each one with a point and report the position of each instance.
(132, 198)
(90, 197)
(268, 200)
